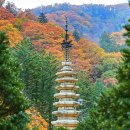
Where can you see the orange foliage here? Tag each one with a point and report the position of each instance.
(27, 14)
(50, 36)
(47, 36)
(86, 54)
(36, 120)
(30, 15)
(45, 33)
(23, 17)
(12, 33)
(118, 38)
(5, 14)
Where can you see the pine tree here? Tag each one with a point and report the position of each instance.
(38, 74)
(107, 44)
(113, 107)
(42, 18)
(76, 35)
(99, 87)
(12, 101)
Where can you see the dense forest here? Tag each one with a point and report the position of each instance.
(31, 53)
(89, 20)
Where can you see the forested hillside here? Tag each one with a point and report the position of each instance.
(31, 55)
(89, 20)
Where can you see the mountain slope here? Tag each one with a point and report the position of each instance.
(90, 20)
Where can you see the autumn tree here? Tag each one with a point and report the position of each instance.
(23, 17)
(12, 101)
(43, 33)
(5, 14)
(36, 120)
(118, 37)
(108, 67)
(13, 34)
(87, 54)
(30, 15)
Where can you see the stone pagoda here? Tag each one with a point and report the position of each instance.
(67, 97)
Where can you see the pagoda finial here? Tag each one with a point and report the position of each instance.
(66, 30)
(66, 45)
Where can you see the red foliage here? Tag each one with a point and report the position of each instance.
(44, 33)
(48, 36)
(26, 15)
(5, 14)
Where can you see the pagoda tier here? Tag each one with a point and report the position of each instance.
(66, 95)
(66, 113)
(67, 87)
(70, 124)
(66, 73)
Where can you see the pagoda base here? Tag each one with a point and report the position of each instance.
(70, 124)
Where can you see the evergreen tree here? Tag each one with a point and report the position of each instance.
(113, 107)
(76, 35)
(85, 88)
(85, 92)
(38, 74)
(89, 122)
(12, 102)
(99, 88)
(42, 18)
(107, 44)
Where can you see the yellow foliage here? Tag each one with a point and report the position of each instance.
(36, 120)
(12, 33)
